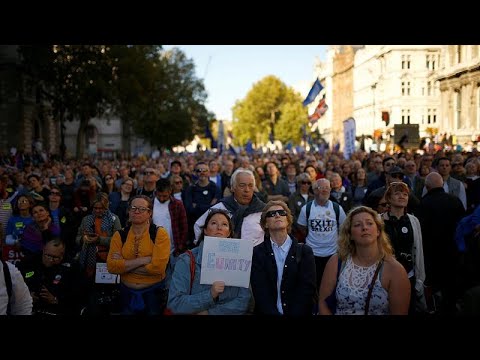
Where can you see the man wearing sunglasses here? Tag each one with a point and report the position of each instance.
(150, 178)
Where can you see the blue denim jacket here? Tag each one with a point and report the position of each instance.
(233, 301)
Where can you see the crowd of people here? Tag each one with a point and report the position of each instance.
(373, 234)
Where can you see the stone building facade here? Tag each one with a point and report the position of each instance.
(25, 121)
(399, 80)
(460, 92)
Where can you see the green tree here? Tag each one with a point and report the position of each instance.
(262, 112)
(166, 105)
(77, 80)
(289, 126)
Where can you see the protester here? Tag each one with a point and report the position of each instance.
(188, 296)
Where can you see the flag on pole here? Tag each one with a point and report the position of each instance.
(314, 91)
(321, 108)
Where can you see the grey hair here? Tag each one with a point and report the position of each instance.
(303, 177)
(233, 180)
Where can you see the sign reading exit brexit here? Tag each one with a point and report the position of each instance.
(227, 260)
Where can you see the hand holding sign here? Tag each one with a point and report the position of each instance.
(227, 260)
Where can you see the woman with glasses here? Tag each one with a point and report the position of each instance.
(297, 200)
(188, 296)
(108, 184)
(405, 235)
(177, 187)
(140, 261)
(283, 276)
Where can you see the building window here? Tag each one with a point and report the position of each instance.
(423, 91)
(433, 63)
(434, 120)
(429, 88)
(408, 116)
(403, 61)
(403, 88)
(429, 117)
(423, 119)
(408, 88)
(459, 54)
(403, 116)
(428, 62)
(408, 61)
(458, 108)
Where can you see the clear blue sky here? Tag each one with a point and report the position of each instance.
(229, 71)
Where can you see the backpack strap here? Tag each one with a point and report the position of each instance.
(192, 268)
(8, 284)
(309, 207)
(152, 231)
(336, 207)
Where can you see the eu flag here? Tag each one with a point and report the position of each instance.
(314, 91)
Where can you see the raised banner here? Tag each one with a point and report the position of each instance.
(349, 132)
(228, 260)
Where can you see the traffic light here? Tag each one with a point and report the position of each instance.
(386, 117)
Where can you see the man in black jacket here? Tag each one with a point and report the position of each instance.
(439, 214)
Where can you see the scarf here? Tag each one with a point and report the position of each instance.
(240, 212)
(88, 254)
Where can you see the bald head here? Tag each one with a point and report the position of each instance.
(433, 180)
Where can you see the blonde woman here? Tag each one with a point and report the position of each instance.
(366, 262)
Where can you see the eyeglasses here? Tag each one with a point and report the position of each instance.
(128, 184)
(56, 193)
(274, 213)
(179, 182)
(306, 183)
(201, 170)
(52, 257)
(109, 178)
(140, 209)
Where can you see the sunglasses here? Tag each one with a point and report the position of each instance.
(201, 170)
(274, 213)
(179, 182)
(140, 209)
(306, 183)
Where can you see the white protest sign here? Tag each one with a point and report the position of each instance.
(102, 276)
(228, 260)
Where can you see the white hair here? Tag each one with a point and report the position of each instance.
(233, 180)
